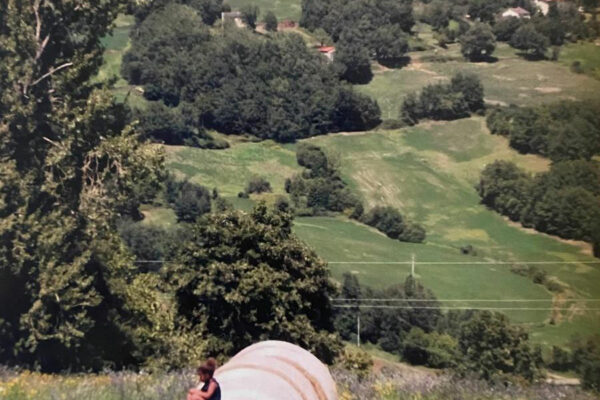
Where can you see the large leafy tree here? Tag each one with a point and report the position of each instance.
(492, 347)
(478, 42)
(245, 277)
(69, 168)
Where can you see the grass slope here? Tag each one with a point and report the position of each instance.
(429, 172)
(588, 54)
(511, 79)
(283, 9)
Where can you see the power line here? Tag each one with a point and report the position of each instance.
(463, 300)
(463, 308)
(462, 262)
(433, 262)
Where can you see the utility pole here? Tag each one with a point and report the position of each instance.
(358, 330)
(412, 266)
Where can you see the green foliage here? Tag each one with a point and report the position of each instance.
(436, 350)
(586, 359)
(441, 101)
(168, 125)
(362, 30)
(562, 201)
(322, 37)
(70, 168)
(478, 42)
(505, 28)
(250, 15)
(236, 82)
(528, 39)
(388, 327)
(561, 359)
(492, 347)
(320, 187)
(357, 360)
(258, 185)
(270, 22)
(389, 221)
(242, 277)
(567, 130)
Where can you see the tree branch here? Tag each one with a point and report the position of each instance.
(51, 72)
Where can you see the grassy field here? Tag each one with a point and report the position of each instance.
(283, 9)
(511, 79)
(588, 54)
(116, 45)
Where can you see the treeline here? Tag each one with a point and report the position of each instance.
(562, 201)
(567, 130)
(426, 336)
(362, 30)
(444, 101)
(238, 82)
(320, 188)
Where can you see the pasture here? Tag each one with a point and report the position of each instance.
(587, 53)
(509, 80)
(283, 9)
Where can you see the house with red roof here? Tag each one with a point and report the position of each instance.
(327, 51)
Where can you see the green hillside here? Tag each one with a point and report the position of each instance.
(428, 172)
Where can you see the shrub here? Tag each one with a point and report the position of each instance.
(258, 185)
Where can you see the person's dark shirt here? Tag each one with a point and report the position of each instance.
(217, 393)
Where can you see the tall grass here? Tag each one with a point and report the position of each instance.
(388, 384)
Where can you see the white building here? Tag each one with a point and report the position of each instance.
(516, 12)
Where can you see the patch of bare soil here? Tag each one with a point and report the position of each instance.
(548, 89)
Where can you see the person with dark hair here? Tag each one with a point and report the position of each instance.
(209, 388)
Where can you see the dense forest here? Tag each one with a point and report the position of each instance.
(567, 130)
(362, 31)
(239, 82)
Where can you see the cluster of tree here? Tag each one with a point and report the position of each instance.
(481, 343)
(440, 101)
(240, 277)
(320, 188)
(563, 22)
(238, 82)
(389, 221)
(567, 130)
(583, 356)
(71, 295)
(257, 184)
(188, 200)
(478, 43)
(174, 126)
(362, 30)
(562, 201)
